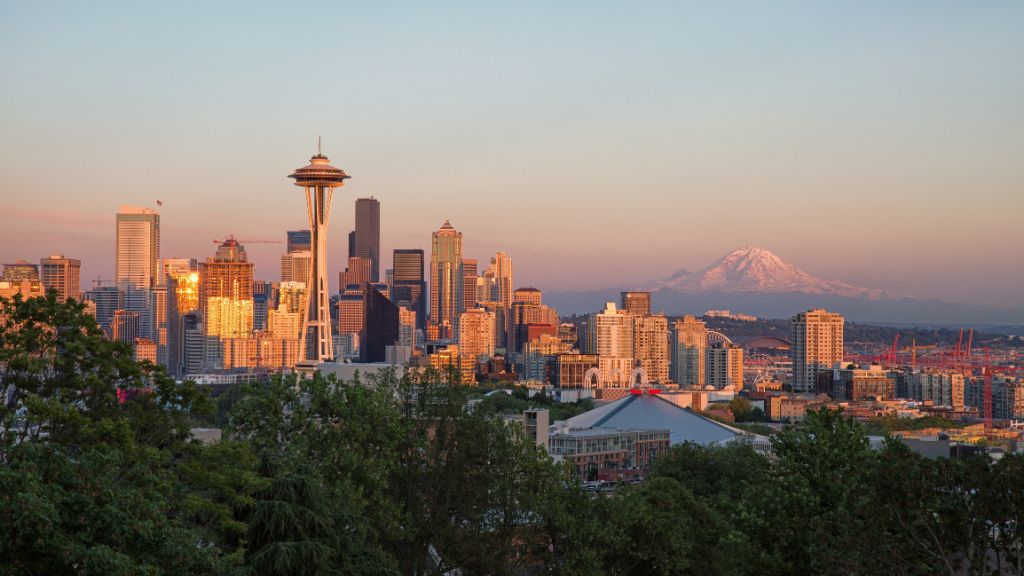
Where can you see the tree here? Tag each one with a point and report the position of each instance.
(742, 409)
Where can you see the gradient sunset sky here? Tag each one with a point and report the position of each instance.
(598, 143)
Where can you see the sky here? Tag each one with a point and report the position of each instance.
(597, 143)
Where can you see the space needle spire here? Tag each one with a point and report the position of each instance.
(319, 179)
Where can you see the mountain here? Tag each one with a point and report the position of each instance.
(758, 271)
(756, 281)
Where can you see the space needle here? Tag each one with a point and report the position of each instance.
(319, 179)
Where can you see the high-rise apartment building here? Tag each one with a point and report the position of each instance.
(367, 234)
(650, 345)
(476, 341)
(636, 303)
(446, 281)
(817, 337)
(527, 308)
(689, 340)
(724, 366)
(63, 275)
(610, 336)
(20, 271)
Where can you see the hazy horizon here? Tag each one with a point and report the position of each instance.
(880, 145)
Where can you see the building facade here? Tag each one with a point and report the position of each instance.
(817, 337)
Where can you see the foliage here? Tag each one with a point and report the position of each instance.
(393, 475)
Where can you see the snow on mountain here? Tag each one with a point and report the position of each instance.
(756, 270)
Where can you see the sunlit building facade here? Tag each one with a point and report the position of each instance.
(63, 275)
(817, 337)
(446, 281)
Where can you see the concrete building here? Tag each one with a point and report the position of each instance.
(940, 387)
(27, 289)
(446, 281)
(476, 341)
(63, 275)
(1007, 396)
(356, 275)
(650, 343)
(817, 337)
(689, 342)
(637, 303)
(850, 383)
(724, 366)
(296, 266)
(21, 271)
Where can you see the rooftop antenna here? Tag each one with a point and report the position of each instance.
(318, 150)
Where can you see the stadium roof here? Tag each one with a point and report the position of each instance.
(647, 411)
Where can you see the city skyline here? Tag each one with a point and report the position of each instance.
(906, 125)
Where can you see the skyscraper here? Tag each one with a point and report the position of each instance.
(446, 281)
(137, 253)
(380, 326)
(367, 244)
(319, 179)
(295, 266)
(63, 275)
(225, 298)
(299, 241)
(407, 286)
(137, 262)
(817, 337)
(408, 265)
(356, 275)
(501, 271)
(182, 278)
(469, 278)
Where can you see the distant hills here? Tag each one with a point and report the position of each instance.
(756, 281)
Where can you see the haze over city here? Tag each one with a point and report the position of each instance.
(880, 146)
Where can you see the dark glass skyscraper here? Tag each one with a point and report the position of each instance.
(380, 326)
(299, 240)
(367, 241)
(407, 287)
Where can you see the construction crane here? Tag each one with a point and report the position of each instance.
(892, 353)
(987, 393)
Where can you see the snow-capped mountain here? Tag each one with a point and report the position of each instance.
(756, 270)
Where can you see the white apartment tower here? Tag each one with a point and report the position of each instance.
(817, 337)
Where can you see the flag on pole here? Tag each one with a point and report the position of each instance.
(159, 203)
